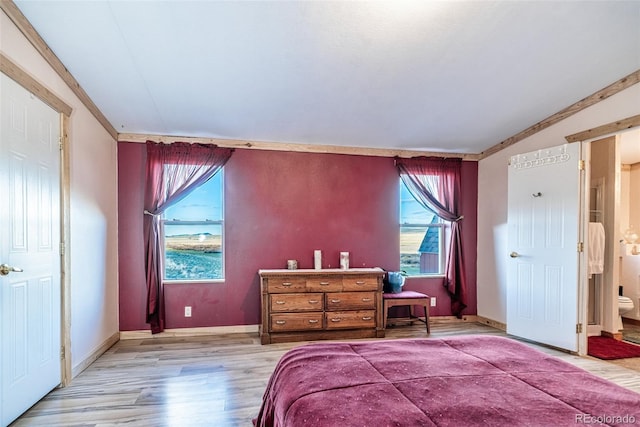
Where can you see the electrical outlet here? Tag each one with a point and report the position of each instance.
(187, 311)
(433, 301)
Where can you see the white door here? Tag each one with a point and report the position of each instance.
(543, 224)
(30, 307)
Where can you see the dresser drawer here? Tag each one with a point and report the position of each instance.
(278, 285)
(351, 319)
(324, 284)
(359, 283)
(296, 302)
(350, 300)
(296, 321)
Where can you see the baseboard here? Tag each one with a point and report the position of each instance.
(471, 318)
(106, 345)
(250, 329)
(614, 335)
(631, 321)
(190, 332)
(492, 323)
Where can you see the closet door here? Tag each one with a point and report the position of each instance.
(30, 288)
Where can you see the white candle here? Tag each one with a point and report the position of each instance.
(317, 259)
(344, 260)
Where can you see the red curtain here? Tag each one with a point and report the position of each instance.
(173, 171)
(435, 183)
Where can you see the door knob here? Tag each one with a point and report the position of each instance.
(514, 254)
(6, 269)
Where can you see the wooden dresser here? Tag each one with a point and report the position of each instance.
(306, 304)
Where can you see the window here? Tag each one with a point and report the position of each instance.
(421, 238)
(194, 234)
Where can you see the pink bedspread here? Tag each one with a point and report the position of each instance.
(456, 381)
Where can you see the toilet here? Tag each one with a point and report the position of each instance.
(625, 305)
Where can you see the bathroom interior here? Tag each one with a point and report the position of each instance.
(614, 293)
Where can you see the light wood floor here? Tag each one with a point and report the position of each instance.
(212, 380)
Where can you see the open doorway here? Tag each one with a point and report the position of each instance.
(615, 180)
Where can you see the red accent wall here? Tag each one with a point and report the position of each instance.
(132, 293)
(280, 206)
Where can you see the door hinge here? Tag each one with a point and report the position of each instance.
(578, 328)
(61, 248)
(580, 165)
(580, 246)
(61, 353)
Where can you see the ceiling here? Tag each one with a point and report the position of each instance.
(442, 76)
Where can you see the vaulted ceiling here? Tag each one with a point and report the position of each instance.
(439, 76)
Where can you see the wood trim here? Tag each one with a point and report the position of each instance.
(254, 329)
(631, 321)
(106, 345)
(13, 71)
(20, 21)
(590, 100)
(191, 332)
(492, 323)
(609, 128)
(297, 147)
(466, 318)
(614, 335)
(65, 276)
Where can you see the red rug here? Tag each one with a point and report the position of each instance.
(609, 349)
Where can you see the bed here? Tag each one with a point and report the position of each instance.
(454, 381)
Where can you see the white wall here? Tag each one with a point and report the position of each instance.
(93, 241)
(492, 194)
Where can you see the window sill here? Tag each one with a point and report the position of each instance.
(192, 282)
(427, 276)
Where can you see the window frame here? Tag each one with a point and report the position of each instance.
(442, 240)
(221, 222)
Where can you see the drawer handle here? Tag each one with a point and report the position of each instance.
(324, 283)
(367, 318)
(280, 322)
(366, 299)
(335, 300)
(360, 282)
(314, 301)
(313, 320)
(286, 284)
(336, 319)
(280, 302)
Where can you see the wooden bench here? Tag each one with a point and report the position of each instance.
(407, 298)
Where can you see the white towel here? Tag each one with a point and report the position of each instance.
(596, 248)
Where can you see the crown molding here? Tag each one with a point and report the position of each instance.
(297, 147)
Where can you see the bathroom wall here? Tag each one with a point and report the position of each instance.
(630, 217)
